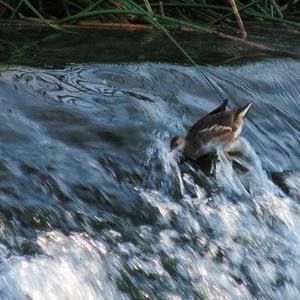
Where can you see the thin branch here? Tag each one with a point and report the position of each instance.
(238, 18)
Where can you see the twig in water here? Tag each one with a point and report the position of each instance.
(238, 18)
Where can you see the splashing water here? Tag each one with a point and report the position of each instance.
(94, 205)
(69, 268)
(159, 151)
(252, 179)
(248, 178)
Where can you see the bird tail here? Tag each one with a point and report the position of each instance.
(221, 108)
(243, 110)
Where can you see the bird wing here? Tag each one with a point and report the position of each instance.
(205, 140)
(215, 130)
(220, 119)
(219, 109)
(208, 136)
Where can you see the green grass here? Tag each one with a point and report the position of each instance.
(200, 15)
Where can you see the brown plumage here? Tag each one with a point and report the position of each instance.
(218, 128)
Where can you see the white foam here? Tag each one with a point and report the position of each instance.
(71, 268)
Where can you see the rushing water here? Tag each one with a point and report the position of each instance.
(94, 206)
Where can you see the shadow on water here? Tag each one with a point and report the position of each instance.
(93, 204)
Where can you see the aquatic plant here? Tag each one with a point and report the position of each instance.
(200, 15)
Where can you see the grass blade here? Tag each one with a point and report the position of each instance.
(17, 9)
(40, 16)
(274, 4)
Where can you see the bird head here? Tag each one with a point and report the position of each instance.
(177, 142)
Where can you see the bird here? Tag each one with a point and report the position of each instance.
(219, 128)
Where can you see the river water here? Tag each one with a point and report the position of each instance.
(94, 206)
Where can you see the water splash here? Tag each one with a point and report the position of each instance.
(160, 228)
(242, 172)
(159, 155)
(70, 268)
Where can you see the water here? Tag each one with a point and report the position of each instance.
(94, 206)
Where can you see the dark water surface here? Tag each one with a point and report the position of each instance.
(92, 204)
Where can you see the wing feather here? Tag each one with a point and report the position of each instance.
(224, 119)
(216, 130)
